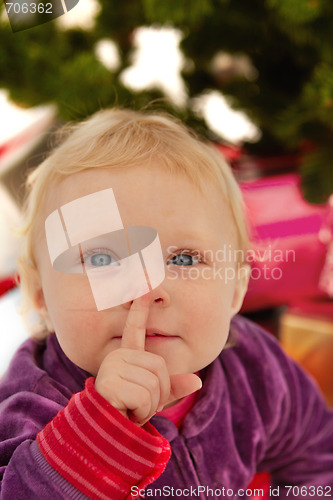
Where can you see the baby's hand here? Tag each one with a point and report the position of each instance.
(137, 382)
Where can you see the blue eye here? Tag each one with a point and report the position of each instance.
(183, 259)
(101, 259)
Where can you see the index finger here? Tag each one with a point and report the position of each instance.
(134, 334)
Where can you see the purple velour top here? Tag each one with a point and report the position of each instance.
(257, 411)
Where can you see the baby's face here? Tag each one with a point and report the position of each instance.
(192, 307)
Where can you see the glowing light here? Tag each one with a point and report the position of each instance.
(157, 62)
(233, 126)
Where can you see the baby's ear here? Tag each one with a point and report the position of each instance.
(39, 305)
(242, 281)
(44, 314)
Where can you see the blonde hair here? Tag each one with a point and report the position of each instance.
(120, 138)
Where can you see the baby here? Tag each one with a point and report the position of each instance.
(127, 390)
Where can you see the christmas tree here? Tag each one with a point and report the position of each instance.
(271, 58)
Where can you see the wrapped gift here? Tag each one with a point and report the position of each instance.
(290, 242)
(306, 334)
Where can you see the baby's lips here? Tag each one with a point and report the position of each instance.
(150, 332)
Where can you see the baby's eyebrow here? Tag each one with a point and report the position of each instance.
(201, 240)
(203, 248)
(189, 234)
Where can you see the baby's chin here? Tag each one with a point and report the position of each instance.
(181, 368)
(90, 367)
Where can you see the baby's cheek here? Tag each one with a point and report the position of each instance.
(79, 343)
(215, 314)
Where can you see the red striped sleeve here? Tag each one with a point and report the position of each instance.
(99, 451)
